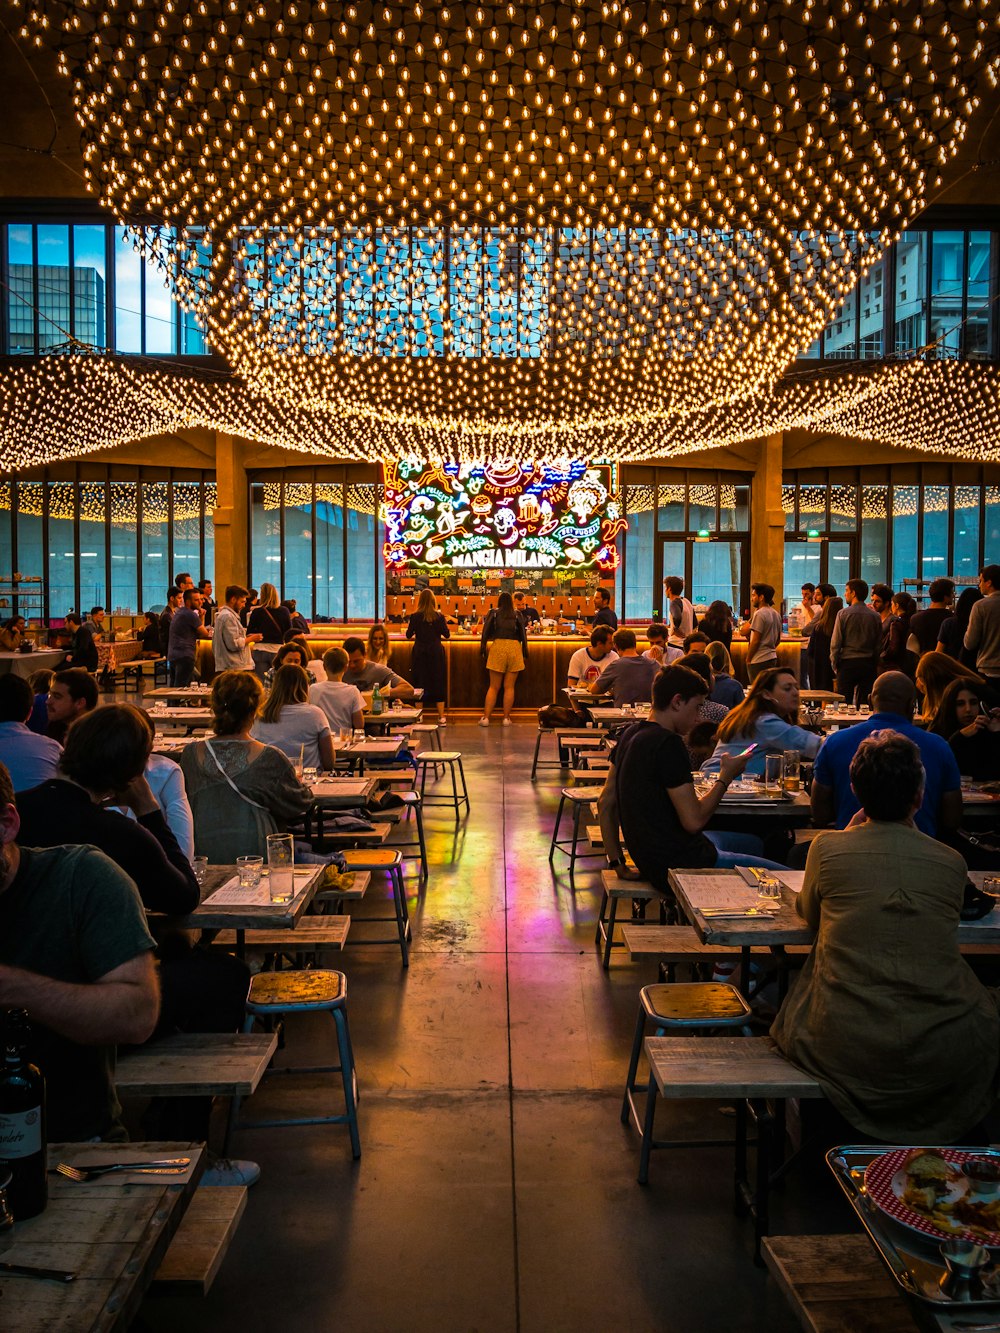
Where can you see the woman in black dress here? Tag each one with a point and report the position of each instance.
(818, 645)
(428, 666)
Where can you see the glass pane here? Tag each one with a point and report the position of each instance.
(801, 566)
(639, 600)
(296, 568)
(874, 529)
(361, 552)
(812, 508)
(947, 274)
(53, 286)
(93, 571)
(161, 313)
(966, 561)
(978, 344)
(701, 507)
(872, 291)
(838, 564)
(674, 562)
(991, 533)
(265, 531)
(30, 553)
(156, 576)
(840, 338)
(670, 507)
(6, 538)
(187, 528)
(211, 504)
(89, 293)
(937, 502)
(124, 499)
(128, 295)
(788, 505)
(62, 547)
(904, 535)
(843, 508)
(716, 573)
(329, 594)
(910, 329)
(21, 292)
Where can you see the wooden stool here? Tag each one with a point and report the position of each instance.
(581, 798)
(452, 760)
(274, 995)
(390, 862)
(558, 733)
(614, 890)
(433, 733)
(683, 1006)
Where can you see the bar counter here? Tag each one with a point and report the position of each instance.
(543, 677)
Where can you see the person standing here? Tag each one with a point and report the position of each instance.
(951, 635)
(854, 648)
(504, 644)
(717, 623)
(186, 629)
(429, 666)
(818, 644)
(208, 603)
(763, 630)
(230, 641)
(679, 611)
(174, 599)
(271, 621)
(925, 625)
(527, 613)
(894, 654)
(603, 614)
(983, 635)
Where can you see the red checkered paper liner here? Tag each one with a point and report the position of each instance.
(878, 1183)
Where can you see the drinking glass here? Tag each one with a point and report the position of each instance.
(280, 867)
(793, 770)
(769, 893)
(249, 868)
(309, 775)
(773, 769)
(200, 865)
(991, 886)
(358, 736)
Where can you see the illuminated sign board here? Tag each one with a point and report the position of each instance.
(505, 515)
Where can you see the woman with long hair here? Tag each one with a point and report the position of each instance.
(768, 718)
(717, 623)
(726, 689)
(292, 653)
(818, 644)
(11, 634)
(239, 789)
(894, 654)
(504, 644)
(951, 635)
(935, 672)
(969, 720)
(378, 644)
(268, 617)
(291, 723)
(428, 665)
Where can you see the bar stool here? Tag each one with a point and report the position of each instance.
(412, 801)
(390, 862)
(580, 798)
(681, 1007)
(275, 995)
(452, 761)
(433, 733)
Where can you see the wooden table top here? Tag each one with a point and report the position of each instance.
(838, 1284)
(184, 717)
(695, 889)
(113, 1236)
(373, 747)
(244, 916)
(343, 792)
(190, 693)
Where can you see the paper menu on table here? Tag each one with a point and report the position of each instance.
(792, 879)
(725, 890)
(232, 893)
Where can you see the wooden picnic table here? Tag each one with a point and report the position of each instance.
(110, 656)
(605, 716)
(343, 793)
(392, 717)
(820, 697)
(242, 917)
(182, 717)
(375, 747)
(188, 694)
(112, 1235)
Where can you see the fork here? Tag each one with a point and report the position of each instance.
(167, 1166)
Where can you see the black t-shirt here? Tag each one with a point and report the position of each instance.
(978, 756)
(925, 625)
(605, 616)
(649, 760)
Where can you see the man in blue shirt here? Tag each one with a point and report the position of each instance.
(30, 759)
(833, 800)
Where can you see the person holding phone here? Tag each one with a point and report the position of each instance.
(650, 794)
(969, 720)
(769, 716)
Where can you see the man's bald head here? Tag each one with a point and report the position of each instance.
(894, 692)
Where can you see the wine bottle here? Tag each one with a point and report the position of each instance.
(23, 1148)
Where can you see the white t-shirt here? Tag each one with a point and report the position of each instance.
(297, 730)
(338, 701)
(584, 669)
(767, 623)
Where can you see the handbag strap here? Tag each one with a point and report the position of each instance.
(242, 795)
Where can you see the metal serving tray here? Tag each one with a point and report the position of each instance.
(913, 1260)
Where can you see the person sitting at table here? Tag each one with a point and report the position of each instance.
(695, 642)
(969, 721)
(342, 704)
(833, 797)
(29, 758)
(149, 635)
(660, 650)
(767, 718)
(935, 672)
(428, 628)
(293, 725)
(378, 644)
(299, 623)
(239, 789)
(649, 791)
(886, 1014)
(268, 618)
(231, 641)
(289, 654)
(630, 679)
(366, 675)
(82, 648)
(72, 693)
(75, 951)
(166, 782)
(95, 623)
(12, 634)
(726, 689)
(590, 661)
(39, 681)
(709, 711)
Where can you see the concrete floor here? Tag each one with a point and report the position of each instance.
(497, 1187)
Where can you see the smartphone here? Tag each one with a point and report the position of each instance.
(749, 750)
(983, 709)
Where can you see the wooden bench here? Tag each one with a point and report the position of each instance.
(671, 945)
(749, 1071)
(613, 891)
(201, 1242)
(196, 1064)
(561, 734)
(313, 934)
(139, 668)
(838, 1284)
(379, 834)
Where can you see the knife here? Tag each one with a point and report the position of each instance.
(28, 1270)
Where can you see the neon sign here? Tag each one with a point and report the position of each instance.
(503, 515)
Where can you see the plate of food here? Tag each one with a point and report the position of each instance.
(927, 1190)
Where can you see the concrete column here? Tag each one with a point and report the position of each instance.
(767, 521)
(231, 516)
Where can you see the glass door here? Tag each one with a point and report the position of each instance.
(832, 560)
(673, 560)
(716, 573)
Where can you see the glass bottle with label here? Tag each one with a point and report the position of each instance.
(22, 1121)
(377, 704)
